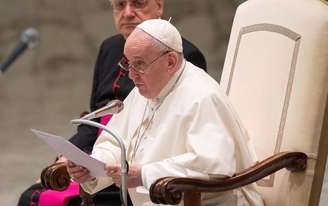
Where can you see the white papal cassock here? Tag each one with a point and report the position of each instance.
(189, 130)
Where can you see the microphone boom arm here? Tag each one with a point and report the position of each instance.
(13, 56)
(124, 163)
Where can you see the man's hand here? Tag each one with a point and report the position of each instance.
(78, 173)
(133, 178)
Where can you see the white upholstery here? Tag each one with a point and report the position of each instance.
(276, 74)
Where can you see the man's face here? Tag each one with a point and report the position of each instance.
(140, 53)
(129, 13)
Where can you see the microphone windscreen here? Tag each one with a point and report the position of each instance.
(31, 37)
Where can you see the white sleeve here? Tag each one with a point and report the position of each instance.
(96, 185)
(107, 149)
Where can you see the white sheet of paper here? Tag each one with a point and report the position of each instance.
(73, 153)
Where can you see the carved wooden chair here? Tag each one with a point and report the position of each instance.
(276, 75)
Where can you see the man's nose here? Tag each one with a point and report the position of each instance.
(128, 11)
(133, 74)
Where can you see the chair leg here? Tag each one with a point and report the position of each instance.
(86, 198)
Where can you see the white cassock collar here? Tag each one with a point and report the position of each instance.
(155, 102)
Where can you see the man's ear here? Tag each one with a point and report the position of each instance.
(160, 9)
(173, 61)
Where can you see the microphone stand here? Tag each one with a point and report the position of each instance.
(124, 163)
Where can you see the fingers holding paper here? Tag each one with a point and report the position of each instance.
(81, 174)
(133, 177)
(78, 173)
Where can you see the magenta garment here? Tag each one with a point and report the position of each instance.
(104, 120)
(61, 198)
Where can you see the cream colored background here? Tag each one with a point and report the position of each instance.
(51, 84)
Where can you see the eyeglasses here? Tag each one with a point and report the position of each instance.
(119, 5)
(138, 66)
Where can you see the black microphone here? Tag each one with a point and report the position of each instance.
(29, 39)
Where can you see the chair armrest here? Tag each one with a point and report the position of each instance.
(168, 190)
(55, 177)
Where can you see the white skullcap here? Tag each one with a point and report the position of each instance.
(164, 32)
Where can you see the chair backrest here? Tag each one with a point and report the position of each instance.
(276, 75)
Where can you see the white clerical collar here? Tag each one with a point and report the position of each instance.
(168, 87)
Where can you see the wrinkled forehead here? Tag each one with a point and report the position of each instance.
(138, 42)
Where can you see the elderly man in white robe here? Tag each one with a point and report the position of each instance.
(176, 122)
